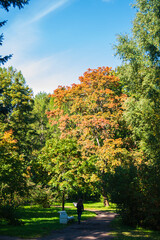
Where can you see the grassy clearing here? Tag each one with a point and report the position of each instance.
(122, 232)
(95, 206)
(99, 206)
(39, 221)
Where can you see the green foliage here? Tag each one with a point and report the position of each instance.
(61, 158)
(42, 196)
(8, 213)
(41, 124)
(16, 104)
(125, 191)
(139, 76)
(136, 192)
(16, 133)
(68, 173)
(11, 169)
(90, 112)
(87, 193)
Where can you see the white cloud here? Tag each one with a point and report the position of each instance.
(47, 11)
(47, 73)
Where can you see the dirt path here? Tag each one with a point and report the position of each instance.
(96, 228)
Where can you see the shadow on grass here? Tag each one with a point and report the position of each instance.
(38, 221)
(123, 232)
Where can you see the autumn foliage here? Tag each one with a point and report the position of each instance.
(90, 112)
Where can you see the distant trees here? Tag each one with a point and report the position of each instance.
(41, 123)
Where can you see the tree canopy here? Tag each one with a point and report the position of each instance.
(90, 112)
(139, 74)
(16, 134)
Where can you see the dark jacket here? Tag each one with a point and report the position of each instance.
(80, 207)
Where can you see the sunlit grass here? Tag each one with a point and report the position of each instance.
(99, 206)
(39, 221)
(95, 206)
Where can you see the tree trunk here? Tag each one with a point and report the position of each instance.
(63, 195)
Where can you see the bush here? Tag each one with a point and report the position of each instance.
(42, 196)
(135, 191)
(8, 213)
(123, 187)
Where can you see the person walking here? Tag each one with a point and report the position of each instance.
(80, 209)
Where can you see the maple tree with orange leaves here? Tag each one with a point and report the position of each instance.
(90, 112)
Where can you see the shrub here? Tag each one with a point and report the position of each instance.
(42, 196)
(8, 213)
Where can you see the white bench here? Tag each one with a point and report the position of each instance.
(64, 218)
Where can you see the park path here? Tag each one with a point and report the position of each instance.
(96, 228)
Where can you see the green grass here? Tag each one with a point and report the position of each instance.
(39, 221)
(99, 206)
(95, 206)
(123, 232)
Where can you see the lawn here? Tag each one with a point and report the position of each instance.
(39, 221)
(95, 206)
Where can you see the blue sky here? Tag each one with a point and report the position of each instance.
(55, 41)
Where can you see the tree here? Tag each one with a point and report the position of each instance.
(16, 104)
(139, 75)
(6, 4)
(61, 159)
(41, 123)
(90, 112)
(12, 179)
